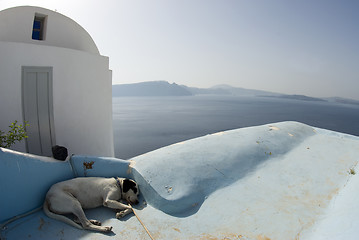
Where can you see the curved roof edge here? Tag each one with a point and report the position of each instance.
(55, 29)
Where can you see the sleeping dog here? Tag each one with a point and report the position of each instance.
(89, 192)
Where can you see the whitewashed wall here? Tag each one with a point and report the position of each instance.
(82, 86)
(16, 26)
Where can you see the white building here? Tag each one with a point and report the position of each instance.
(53, 76)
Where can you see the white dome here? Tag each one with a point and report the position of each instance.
(17, 25)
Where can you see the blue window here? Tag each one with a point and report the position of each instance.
(38, 28)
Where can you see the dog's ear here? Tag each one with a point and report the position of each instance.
(129, 184)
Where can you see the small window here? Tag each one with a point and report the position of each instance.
(38, 29)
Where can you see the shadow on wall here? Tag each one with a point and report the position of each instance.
(29, 175)
(178, 179)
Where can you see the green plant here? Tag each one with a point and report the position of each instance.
(16, 133)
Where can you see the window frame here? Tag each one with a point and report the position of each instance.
(39, 32)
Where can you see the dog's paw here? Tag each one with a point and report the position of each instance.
(95, 222)
(120, 214)
(123, 213)
(108, 229)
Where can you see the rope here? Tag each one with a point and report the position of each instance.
(143, 225)
(3, 226)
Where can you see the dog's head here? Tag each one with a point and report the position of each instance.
(130, 191)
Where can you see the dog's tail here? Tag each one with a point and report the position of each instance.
(59, 217)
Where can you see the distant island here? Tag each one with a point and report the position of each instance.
(145, 89)
(164, 88)
(299, 97)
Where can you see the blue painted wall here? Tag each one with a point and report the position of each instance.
(25, 178)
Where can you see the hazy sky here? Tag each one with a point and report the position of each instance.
(306, 47)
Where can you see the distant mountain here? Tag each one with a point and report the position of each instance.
(342, 100)
(236, 91)
(299, 97)
(163, 88)
(154, 88)
(207, 91)
(228, 90)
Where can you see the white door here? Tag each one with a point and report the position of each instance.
(38, 110)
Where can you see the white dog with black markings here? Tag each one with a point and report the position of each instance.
(89, 192)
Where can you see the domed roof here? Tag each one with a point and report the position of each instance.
(41, 26)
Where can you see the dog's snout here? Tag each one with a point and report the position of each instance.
(137, 202)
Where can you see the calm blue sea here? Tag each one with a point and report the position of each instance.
(143, 124)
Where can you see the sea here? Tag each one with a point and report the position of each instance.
(143, 124)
